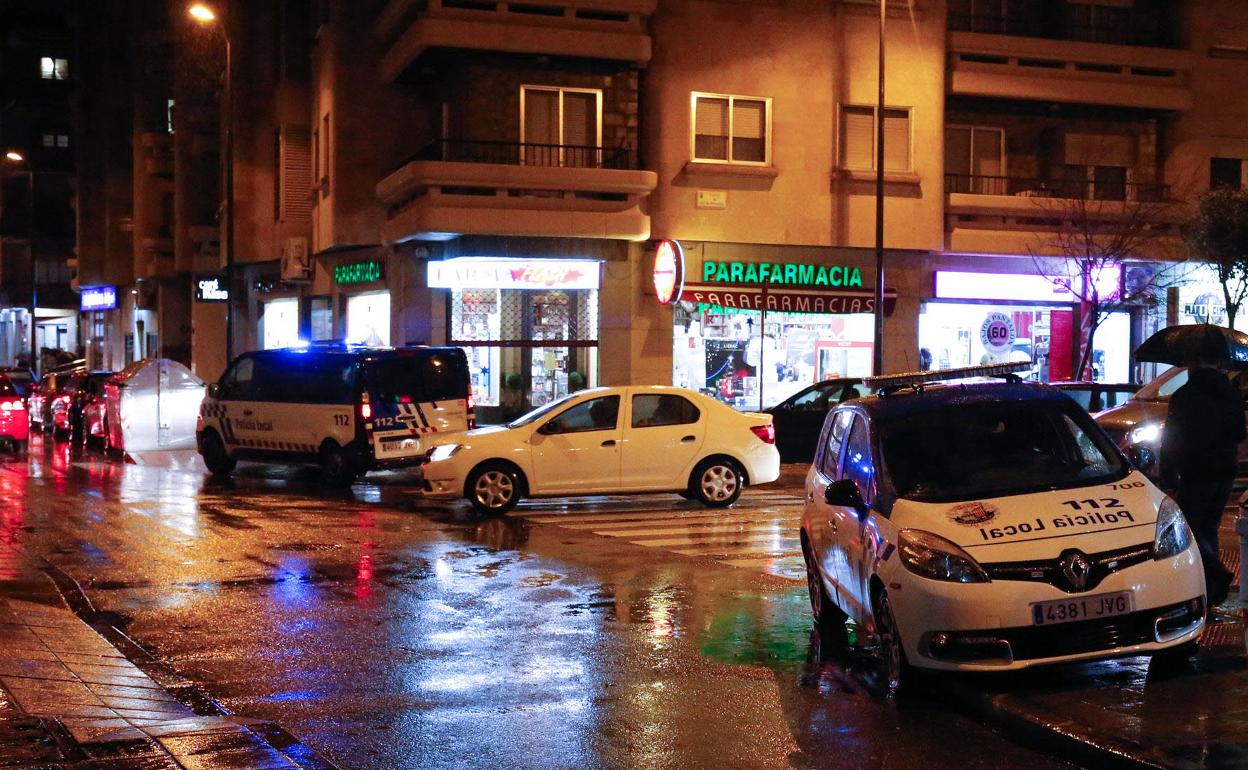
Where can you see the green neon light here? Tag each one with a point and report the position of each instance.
(787, 274)
(358, 272)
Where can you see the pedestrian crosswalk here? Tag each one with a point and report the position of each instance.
(759, 533)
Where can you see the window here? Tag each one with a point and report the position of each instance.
(857, 466)
(731, 129)
(236, 384)
(169, 116)
(53, 69)
(56, 140)
(829, 464)
(561, 126)
(595, 414)
(1226, 172)
(975, 160)
(1109, 183)
(858, 138)
(653, 410)
(323, 180)
(321, 318)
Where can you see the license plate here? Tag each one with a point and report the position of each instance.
(392, 446)
(1081, 608)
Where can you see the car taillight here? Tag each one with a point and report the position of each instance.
(472, 413)
(63, 400)
(12, 405)
(366, 409)
(765, 432)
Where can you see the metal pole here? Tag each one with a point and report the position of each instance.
(34, 290)
(877, 350)
(229, 193)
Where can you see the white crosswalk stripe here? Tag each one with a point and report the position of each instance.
(760, 533)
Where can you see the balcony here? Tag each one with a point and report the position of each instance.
(593, 29)
(1124, 26)
(1065, 189)
(1000, 64)
(507, 188)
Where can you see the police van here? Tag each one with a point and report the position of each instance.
(349, 409)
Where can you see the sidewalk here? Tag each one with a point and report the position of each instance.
(1135, 712)
(70, 698)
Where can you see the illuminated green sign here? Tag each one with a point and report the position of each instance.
(358, 272)
(787, 274)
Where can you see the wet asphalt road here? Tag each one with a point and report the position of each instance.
(387, 633)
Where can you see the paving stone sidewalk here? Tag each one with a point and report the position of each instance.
(70, 699)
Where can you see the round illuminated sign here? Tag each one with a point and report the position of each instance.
(669, 271)
(997, 333)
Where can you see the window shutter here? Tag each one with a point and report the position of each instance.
(896, 140)
(579, 111)
(711, 129)
(749, 130)
(857, 137)
(295, 173)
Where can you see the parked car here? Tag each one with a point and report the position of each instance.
(152, 405)
(21, 378)
(95, 416)
(799, 418)
(350, 409)
(990, 526)
(1140, 421)
(1097, 396)
(82, 389)
(609, 440)
(14, 425)
(49, 399)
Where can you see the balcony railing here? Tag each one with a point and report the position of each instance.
(528, 154)
(1069, 189)
(1135, 29)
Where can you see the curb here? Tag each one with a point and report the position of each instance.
(183, 690)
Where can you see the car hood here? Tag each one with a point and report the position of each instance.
(1041, 525)
(1132, 413)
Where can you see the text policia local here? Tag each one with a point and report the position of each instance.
(788, 274)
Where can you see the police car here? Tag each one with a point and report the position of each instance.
(348, 409)
(991, 525)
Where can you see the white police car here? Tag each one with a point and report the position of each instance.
(989, 526)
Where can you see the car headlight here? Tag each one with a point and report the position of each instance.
(443, 452)
(1172, 536)
(934, 557)
(1147, 433)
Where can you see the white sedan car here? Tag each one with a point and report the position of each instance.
(608, 440)
(991, 526)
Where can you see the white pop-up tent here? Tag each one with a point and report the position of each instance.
(152, 405)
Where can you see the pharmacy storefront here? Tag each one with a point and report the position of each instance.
(752, 325)
(994, 317)
(528, 326)
(364, 303)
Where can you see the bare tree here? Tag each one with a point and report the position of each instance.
(1093, 238)
(1218, 235)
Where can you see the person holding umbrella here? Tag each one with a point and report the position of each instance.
(1204, 427)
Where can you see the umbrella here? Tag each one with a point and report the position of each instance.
(1196, 345)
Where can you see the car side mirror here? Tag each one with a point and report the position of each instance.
(845, 494)
(214, 391)
(1141, 457)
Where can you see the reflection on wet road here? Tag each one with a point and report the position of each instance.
(389, 635)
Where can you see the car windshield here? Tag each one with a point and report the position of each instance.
(541, 411)
(994, 449)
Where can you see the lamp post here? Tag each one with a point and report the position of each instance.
(14, 157)
(205, 15)
(877, 350)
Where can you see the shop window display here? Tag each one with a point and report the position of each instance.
(754, 359)
(525, 347)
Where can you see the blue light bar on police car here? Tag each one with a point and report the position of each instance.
(941, 375)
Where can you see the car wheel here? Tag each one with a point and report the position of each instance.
(215, 457)
(894, 666)
(717, 483)
(493, 489)
(829, 618)
(336, 467)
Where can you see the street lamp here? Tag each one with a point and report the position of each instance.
(205, 15)
(15, 157)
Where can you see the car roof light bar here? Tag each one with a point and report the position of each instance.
(905, 379)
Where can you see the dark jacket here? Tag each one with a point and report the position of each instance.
(1204, 426)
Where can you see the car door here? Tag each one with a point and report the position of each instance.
(851, 531)
(578, 449)
(238, 402)
(664, 435)
(823, 518)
